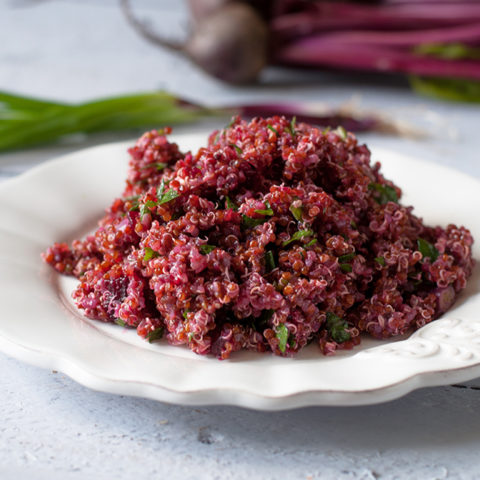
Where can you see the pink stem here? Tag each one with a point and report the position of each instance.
(317, 51)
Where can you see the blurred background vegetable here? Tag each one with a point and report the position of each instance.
(26, 122)
(435, 42)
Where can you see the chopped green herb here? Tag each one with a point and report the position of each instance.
(296, 212)
(237, 148)
(282, 334)
(190, 336)
(346, 258)
(120, 322)
(336, 327)
(267, 211)
(353, 224)
(146, 207)
(273, 129)
(311, 242)
(326, 130)
(297, 236)
(230, 204)
(133, 198)
(249, 222)
(185, 314)
(427, 249)
(291, 341)
(149, 253)
(270, 261)
(292, 126)
(161, 188)
(341, 132)
(345, 267)
(380, 260)
(158, 166)
(156, 334)
(387, 193)
(168, 196)
(205, 249)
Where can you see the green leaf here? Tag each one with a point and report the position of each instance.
(168, 196)
(149, 253)
(386, 193)
(273, 129)
(292, 126)
(161, 188)
(281, 332)
(296, 212)
(237, 148)
(380, 260)
(146, 207)
(270, 261)
(346, 258)
(267, 211)
(249, 222)
(230, 204)
(185, 314)
(155, 334)
(206, 249)
(120, 322)
(427, 249)
(353, 224)
(297, 236)
(341, 132)
(345, 267)
(311, 242)
(336, 327)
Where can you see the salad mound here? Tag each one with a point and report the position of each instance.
(272, 236)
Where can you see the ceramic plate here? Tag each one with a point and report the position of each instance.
(62, 200)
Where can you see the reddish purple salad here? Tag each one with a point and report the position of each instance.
(273, 236)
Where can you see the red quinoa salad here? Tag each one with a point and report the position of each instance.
(273, 236)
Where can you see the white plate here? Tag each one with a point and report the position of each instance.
(62, 200)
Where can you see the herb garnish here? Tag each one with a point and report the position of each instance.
(297, 236)
(341, 132)
(206, 249)
(273, 129)
(266, 211)
(249, 222)
(230, 204)
(296, 212)
(168, 196)
(380, 260)
(292, 126)
(149, 253)
(146, 207)
(237, 148)
(336, 327)
(427, 249)
(346, 258)
(270, 261)
(156, 334)
(185, 314)
(345, 267)
(311, 242)
(282, 333)
(120, 322)
(387, 193)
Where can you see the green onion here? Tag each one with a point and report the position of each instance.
(249, 222)
(230, 204)
(149, 253)
(206, 249)
(297, 236)
(296, 212)
(345, 267)
(273, 129)
(281, 332)
(427, 249)
(336, 327)
(387, 193)
(155, 334)
(270, 261)
(346, 258)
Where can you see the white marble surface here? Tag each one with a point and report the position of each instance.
(52, 428)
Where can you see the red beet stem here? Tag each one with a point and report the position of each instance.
(318, 51)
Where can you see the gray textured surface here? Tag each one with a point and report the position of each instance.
(52, 428)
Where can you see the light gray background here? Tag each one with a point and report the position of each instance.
(52, 428)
